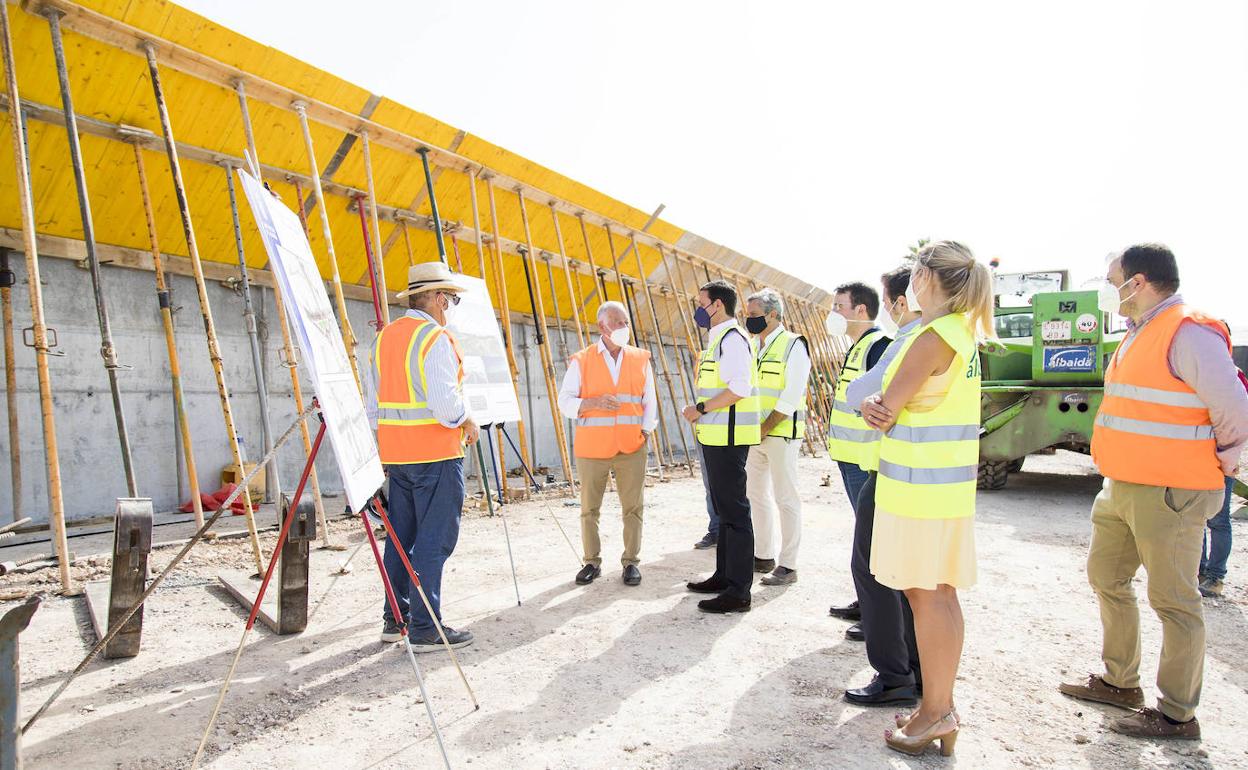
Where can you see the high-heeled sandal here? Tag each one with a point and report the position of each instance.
(901, 719)
(915, 745)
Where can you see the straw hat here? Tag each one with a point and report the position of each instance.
(429, 276)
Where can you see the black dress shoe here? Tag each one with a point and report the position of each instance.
(764, 565)
(876, 694)
(587, 575)
(848, 612)
(724, 604)
(707, 586)
(854, 633)
(632, 575)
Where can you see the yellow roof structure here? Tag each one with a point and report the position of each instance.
(200, 61)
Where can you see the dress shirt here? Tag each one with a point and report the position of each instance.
(735, 358)
(570, 389)
(797, 371)
(871, 381)
(445, 396)
(1198, 356)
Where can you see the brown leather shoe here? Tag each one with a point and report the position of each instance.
(1098, 690)
(1151, 723)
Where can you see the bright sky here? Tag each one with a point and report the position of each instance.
(823, 138)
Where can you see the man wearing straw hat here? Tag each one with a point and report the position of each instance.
(415, 394)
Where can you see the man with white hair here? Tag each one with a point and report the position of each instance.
(608, 390)
(783, 364)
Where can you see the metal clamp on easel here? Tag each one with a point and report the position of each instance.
(108, 602)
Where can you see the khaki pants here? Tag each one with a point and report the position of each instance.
(771, 483)
(630, 479)
(1160, 528)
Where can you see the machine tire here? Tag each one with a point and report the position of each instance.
(993, 474)
(1015, 466)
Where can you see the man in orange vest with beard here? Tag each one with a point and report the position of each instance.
(415, 393)
(1170, 428)
(609, 391)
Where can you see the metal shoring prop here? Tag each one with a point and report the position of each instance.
(407, 244)
(599, 277)
(573, 297)
(344, 321)
(165, 302)
(423, 152)
(459, 263)
(683, 312)
(543, 345)
(7, 279)
(563, 339)
(39, 329)
(272, 482)
(214, 351)
(107, 351)
(817, 386)
(667, 373)
(291, 362)
(662, 442)
(499, 479)
(692, 298)
(504, 308)
(619, 274)
(379, 275)
(151, 588)
(379, 315)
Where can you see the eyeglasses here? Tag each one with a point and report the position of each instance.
(451, 298)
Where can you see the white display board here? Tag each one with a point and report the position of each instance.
(488, 388)
(320, 341)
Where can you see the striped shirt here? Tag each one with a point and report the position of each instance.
(446, 397)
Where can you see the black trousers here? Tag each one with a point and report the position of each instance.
(887, 622)
(734, 557)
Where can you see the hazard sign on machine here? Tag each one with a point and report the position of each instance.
(312, 318)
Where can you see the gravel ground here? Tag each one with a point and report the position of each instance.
(613, 676)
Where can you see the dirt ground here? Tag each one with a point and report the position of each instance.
(613, 676)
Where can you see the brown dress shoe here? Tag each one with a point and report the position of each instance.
(1098, 690)
(1151, 723)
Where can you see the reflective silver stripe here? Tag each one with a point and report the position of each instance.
(843, 406)
(599, 422)
(1158, 429)
(921, 434)
(1154, 395)
(705, 393)
(770, 392)
(391, 413)
(623, 399)
(855, 435)
(721, 418)
(908, 475)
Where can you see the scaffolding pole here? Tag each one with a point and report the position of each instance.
(379, 276)
(504, 309)
(192, 246)
(7, 280)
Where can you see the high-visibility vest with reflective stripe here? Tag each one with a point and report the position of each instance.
(773, 368)
(602, 434)
(407, 431)
(929, 460)
(738, 424)
(850, 439)
(1152, 428)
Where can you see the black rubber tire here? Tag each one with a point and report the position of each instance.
(993, 474)
(1016, 465)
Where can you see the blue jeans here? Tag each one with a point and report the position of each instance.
(712, 527)
(1215, 548)
(854, 477)
(426, 500)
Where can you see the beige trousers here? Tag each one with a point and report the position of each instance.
(771, 484)
(630, 480)
(1160, 528)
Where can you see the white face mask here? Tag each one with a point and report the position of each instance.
(1108, 298)
(620, 336)
(885, 321)
(448, 313)
(911, 298)
(836, 324)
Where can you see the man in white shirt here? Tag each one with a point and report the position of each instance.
(608, 390)
(771, 469)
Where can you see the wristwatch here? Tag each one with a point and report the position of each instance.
(701, 407)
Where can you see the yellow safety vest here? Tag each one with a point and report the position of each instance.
(772, 378)
(850, 439)
(929, 460)
(739, 424)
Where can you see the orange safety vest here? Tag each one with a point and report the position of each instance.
(407, 431)
(1152, 428)
(602, 434)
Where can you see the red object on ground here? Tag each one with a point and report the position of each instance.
(213, 501)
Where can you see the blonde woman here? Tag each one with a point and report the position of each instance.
(923, 542)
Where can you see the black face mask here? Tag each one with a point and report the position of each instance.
(755, 324)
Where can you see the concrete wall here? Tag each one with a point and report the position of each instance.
(90, 458)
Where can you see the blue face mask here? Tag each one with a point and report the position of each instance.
(701, 317)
